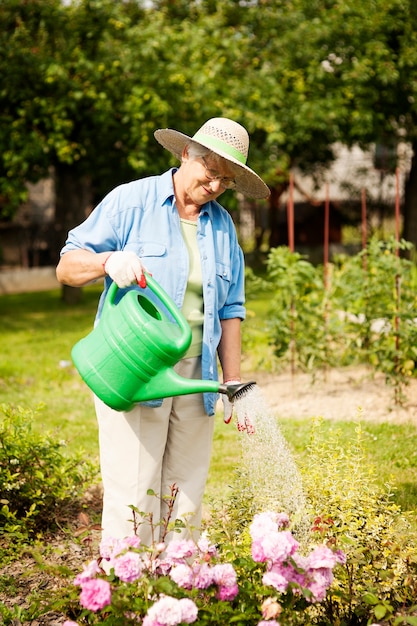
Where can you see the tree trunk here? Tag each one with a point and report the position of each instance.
(410, 201)
(72, 206)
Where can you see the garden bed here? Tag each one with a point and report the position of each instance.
(348, 394)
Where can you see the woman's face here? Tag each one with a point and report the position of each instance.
(196, 178)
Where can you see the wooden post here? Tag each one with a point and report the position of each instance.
(397, 282)
(290, 214)
(326, 236)
(290, 223)
(364, 227)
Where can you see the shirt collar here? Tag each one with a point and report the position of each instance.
(167, 192)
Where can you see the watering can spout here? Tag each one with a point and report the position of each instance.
(167, 383)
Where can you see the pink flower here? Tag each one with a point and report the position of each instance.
(319, 584)
(133, 541)
(69, 623)
(128, 567)
(108, 547)
(340, 557)
(275, 580)
(206, 548)
(274, 546)
(189, 610)
(182, 574)
(229, 593)
(263, 523)
(180, 549)
(224, 574)
(268, 623)
(270, 608)
(89, 571)
(282, 520)
(203, 576)
(169, 611)
(95, 594)
(322, 557)
(150, 621)
(280, 546)
(257, 551)
(111, 547)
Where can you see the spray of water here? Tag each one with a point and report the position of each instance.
(269, 466)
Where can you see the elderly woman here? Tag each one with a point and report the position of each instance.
(173, 227)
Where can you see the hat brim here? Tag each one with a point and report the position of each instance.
(248, 183)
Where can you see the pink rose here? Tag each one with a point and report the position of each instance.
(95, 594)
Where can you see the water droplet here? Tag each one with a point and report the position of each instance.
(268, 463)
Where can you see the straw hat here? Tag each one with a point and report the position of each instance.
(226, 138)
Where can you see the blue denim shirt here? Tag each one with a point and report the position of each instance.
(141, 216)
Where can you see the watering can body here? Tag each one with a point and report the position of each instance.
(129, 356)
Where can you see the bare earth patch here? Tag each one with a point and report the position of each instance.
(344, 394)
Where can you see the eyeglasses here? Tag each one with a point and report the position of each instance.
(225, 182)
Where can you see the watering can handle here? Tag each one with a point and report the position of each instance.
(166, 300)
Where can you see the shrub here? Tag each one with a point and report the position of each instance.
(37, 479)
(365, 313)
(348, 511)
(188, 582)
(379, 579)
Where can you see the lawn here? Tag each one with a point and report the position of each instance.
(38, 331)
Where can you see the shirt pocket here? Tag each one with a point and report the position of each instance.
(223, 278)
(148, 251)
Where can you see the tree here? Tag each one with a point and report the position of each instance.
(87, 83)
(61, 100)
(363, 57)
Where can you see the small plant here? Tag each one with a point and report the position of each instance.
(37, 479)
(297, 322)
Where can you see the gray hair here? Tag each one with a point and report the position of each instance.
(197, 151)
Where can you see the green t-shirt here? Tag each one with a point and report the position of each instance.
(193, 306)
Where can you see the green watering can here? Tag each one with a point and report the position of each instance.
(129, 356)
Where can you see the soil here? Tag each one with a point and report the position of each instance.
(343, 394)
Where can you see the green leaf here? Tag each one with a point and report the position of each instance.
(370, 598)
(380, 611)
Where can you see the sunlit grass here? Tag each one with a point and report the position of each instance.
(38, 331)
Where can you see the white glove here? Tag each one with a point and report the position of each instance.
(125, 268)
(243, 420)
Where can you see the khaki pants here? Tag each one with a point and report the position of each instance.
(149, 448)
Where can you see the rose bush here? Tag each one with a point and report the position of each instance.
(187, 582)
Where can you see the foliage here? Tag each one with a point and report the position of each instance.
(37, 479)
(375, 292)
(348, 510)
(38, 332)
(379, 579)
(85, 83)
(197, 582)
(299, 304)
(365, 313)
(376, 582)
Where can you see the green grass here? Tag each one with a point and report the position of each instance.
(38, 331)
